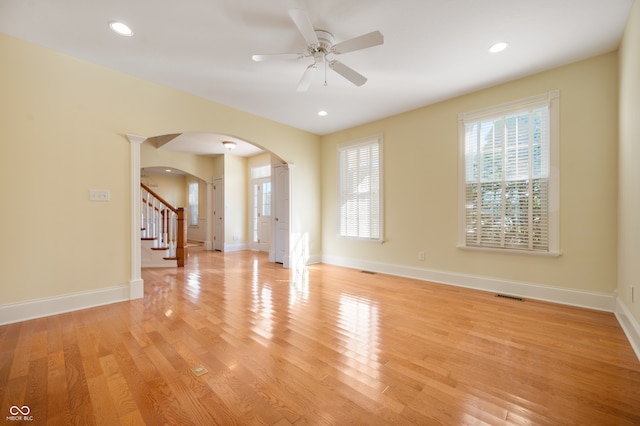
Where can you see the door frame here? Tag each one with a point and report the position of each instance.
(255, 209)
(217, 214)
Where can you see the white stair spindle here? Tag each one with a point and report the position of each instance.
(172, 237)
(165, 226)
(156, 229)
(159, 222)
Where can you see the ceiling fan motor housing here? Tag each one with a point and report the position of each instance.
(319, 45)
(325, 43)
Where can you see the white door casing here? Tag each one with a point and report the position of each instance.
(280, 249)
(261, 212)
(218, 214)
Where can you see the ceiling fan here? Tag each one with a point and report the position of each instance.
(319, 46)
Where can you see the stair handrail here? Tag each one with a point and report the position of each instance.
(159, 198)
(181, 251)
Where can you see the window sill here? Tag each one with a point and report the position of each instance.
(364, 240)
(511, 251)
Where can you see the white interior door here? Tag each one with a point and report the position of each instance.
(218, 214)
(281, 214)
(261, 214)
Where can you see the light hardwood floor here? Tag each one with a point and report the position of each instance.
(329, 346)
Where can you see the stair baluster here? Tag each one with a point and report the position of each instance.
(164, 224)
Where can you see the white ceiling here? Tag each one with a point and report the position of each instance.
(207, 144)
(433, 49)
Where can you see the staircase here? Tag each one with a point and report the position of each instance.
(163, 232)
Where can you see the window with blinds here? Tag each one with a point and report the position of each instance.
(360, 169)
(509, 191)
(194, 189)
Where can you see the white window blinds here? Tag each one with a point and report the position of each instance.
(509, 191)
(193, 203)
(360, 169)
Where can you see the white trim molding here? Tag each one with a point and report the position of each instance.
(629, 325)
(228, 247)
(580, 298)
(38, 308)
(136, 284)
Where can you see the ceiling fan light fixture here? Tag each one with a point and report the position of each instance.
(229, 145)
(498, 47)
(120, 28)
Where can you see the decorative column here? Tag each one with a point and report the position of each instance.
(136, 284)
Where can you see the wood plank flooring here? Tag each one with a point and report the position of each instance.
(326, 346)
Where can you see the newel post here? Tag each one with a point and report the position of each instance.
(181, 246)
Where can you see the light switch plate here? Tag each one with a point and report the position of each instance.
(99, 195)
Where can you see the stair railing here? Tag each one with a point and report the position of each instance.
(164, 224)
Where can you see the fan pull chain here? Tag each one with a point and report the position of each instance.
(325, 73)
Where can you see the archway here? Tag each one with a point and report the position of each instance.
(136, 142)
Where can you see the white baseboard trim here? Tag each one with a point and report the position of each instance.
(38, 308)
(23, 311)
(235, 247)
(580, 298)
(136, 289)
(629, 325)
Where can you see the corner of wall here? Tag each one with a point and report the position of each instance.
(629, 325)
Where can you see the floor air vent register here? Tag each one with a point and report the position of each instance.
(506, 296)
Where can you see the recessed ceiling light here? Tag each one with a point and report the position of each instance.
(120, 28)
(323, 113)
(498, 47)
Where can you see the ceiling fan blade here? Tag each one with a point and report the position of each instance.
(348, 73)
(302, 21)
(269, 56)
(365, 41)
(305, 81)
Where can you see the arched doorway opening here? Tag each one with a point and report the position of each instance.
(207, 157)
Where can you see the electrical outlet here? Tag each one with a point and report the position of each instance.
(421, 255)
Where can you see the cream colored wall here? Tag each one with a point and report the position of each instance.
(200, 166)
(218, 166)
(258, 160)
(420, 184)
(63, 123)
(202, 198)
(171, 188)
(629, 177)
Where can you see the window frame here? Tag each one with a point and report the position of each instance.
(194, 202)
(551, 100)
(368, 141)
